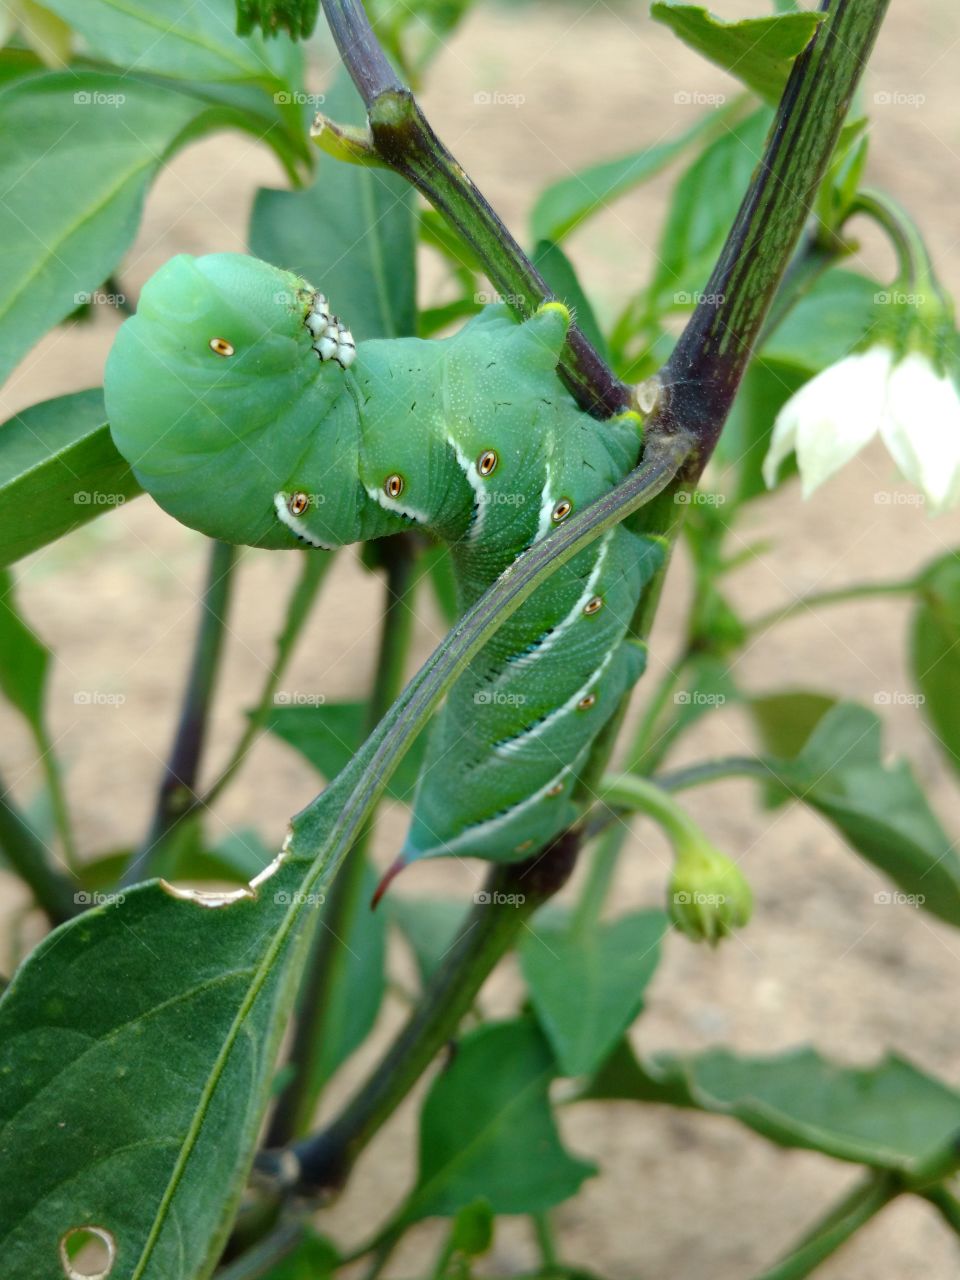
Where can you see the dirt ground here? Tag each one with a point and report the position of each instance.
(680, 1196)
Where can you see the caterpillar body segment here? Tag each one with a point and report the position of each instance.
(284, 430)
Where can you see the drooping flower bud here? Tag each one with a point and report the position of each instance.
(709, 895)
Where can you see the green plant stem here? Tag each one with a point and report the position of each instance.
(631, 792)
(704, 371)
(915, 268)
(50, 764)
(489, 931)
(836, 1228)
(697, 775)
(315, 566)
(545, 1241)
(264, 1256)
(840, 595)
(177, 791)
(28, 857)
(405, 142)
(947, 1204)
(297, 1103)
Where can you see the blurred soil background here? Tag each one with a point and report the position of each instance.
(680, 1195)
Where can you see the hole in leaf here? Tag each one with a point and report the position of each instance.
(87, 1253)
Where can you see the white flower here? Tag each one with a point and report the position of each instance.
(915, 410)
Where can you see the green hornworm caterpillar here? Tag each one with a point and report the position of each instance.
(246, 410)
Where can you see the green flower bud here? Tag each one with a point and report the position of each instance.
(709, 895)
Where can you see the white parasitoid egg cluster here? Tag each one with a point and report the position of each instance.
(332, 339)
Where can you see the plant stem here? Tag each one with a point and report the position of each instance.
(326, 1159)
(840, 595)
(629, 791)
(58, 797)
(177, 791)
(405, 142)
(27, 856)
(702, 375)
(836, 1228)
(545, 1241)
(315, 566)
(264, 1256)
(696, 775)
(947, 1204)
(297, 1102)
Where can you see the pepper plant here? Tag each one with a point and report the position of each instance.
(166, 1047)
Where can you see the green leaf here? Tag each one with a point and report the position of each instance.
(58, 469)
(351, 233)
(877, 807)
(587, 986)
(758, 51)
(704, 204)
(558, 271)
(745, 439)
(298, 17)
(935, 652)
(314, 1258)
(176, 38)
(785, 721)
(430, 926)
(354, 982)
(565, 205)
(825, 325)
(100, 138)
(328, 736)
(24, 659)
(487, 1130)
(891, 1116)
(152, 1024)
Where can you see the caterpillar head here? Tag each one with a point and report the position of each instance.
(225, 389)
